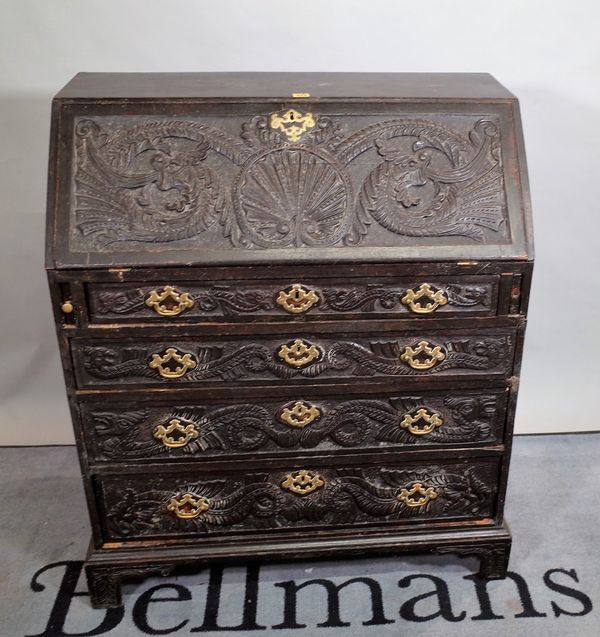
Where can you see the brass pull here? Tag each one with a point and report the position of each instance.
(424, 495)
(169, 302)
(183, 362)
(188, 506)
(67, 307)
(292, 123)
(297, 299)
(414, 356)
(431, 421)
(433, 299)
(300, 414)
(299, 353)
(182, 437)
(302, 482)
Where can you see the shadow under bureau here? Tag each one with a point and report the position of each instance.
(290, 310)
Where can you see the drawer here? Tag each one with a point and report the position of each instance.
(484, 353)
(290, 425)
(206, 301)
(190, 504)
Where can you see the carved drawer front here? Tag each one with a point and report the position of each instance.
(436, 419)
(483, 353)
(169, 301)
(298, 496)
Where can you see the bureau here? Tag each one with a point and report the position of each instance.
(290, 310)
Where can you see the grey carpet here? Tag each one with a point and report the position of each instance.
(553, 509)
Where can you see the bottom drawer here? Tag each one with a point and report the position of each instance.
(192, 504)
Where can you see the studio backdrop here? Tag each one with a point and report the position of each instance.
(547, 54)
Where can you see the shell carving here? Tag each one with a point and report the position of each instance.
(293, 197)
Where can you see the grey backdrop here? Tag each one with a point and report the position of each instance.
(546, 53)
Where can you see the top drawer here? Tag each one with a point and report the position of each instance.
(276, 299)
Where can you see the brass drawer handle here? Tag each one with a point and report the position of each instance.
(162, 363)
(425, 495)
(298, 353)
(425, 299)
(431, 420)
(188, 506)
(423, 356)
(169, 302)
(300, 414)
(184, 434)
(302, 482)
(297, 299)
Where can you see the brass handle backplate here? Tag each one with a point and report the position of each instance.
(163, 363)
(414, 424)
(298, 353)
(425, 299)
(300, 414)
(297, 299)
(175, 434)
(417, 495)
(188, 506)
(423, 355)
(169, 302)
(302, 482)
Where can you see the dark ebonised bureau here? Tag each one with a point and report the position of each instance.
(290, 310)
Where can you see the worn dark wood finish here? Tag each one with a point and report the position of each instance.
(290, 326)
(121, 432)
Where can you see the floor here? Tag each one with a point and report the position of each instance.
(553, 510)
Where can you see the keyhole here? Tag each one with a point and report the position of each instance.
(291, 117)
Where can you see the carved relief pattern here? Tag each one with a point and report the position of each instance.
(290, 182)
(230, 301)
(248, 427)
(493, 557)
(340, 496)
(230, 361)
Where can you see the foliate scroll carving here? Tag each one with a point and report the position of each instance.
(331, 496)
(289, 180)
(297, 358)
(249, 427)
(230, 300)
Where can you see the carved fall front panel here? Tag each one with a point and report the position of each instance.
(286, 179)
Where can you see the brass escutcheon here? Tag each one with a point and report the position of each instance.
(302, 482)
(292, 123)
(299, 353)
(297, 299)
(425, 495)
(185, 362)
(185, 433)
(434, 355)
(431, 420)
(434, 298)
(179, 301)
(300, 414)
(188, 506)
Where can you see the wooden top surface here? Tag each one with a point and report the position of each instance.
(326, 86)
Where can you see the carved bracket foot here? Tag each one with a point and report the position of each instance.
(104, 583)
(493, 557)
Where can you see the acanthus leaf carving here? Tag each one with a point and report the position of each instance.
(288, 499)
(298, 425)
(289, 184)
